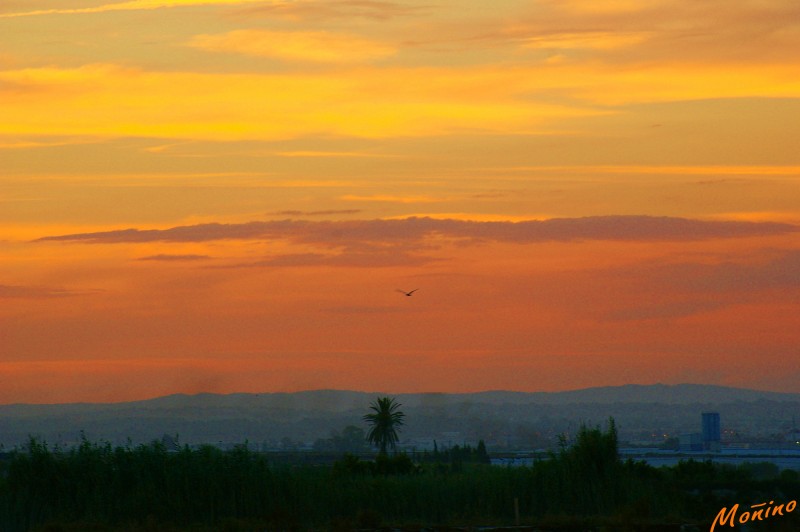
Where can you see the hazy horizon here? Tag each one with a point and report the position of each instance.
(230, 196)
(399, 393)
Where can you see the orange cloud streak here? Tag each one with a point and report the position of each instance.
(135, 5)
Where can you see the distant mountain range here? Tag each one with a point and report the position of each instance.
(501, 418)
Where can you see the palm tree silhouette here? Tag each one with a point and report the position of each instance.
(385, 421)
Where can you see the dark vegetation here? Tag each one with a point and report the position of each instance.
(97, 487)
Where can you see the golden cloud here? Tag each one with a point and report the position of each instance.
(111, 101)
(596, 40)
(313, 46)
(106, 100)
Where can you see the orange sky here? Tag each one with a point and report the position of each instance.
(225, 196)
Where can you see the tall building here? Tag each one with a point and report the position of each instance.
(711, 431)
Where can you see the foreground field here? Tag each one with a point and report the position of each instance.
(96, 487)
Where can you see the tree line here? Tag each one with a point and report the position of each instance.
(99, 487)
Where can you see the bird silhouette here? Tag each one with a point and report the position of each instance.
(407, 293)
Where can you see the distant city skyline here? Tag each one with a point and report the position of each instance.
(645, 416)
(225, 196)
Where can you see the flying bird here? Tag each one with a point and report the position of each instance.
(407, 293)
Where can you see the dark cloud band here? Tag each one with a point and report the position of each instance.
(345, 233)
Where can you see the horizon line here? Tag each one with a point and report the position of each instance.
(400, 394)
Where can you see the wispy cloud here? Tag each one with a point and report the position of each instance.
(34, 292)
(334, 9)
(586, 39)
(731, 277)
(384, 258)
(174, 258)
(664, 310)
(674, 31)
(316, 46)
(337, 233)
(689, 288)
(317, 213)
(135, 5)
(388, 198)
(30, 144)
(721, 171)
(331, 154)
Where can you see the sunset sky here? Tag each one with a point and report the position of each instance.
(225, 195)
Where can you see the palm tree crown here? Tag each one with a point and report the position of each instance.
(384, 421)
